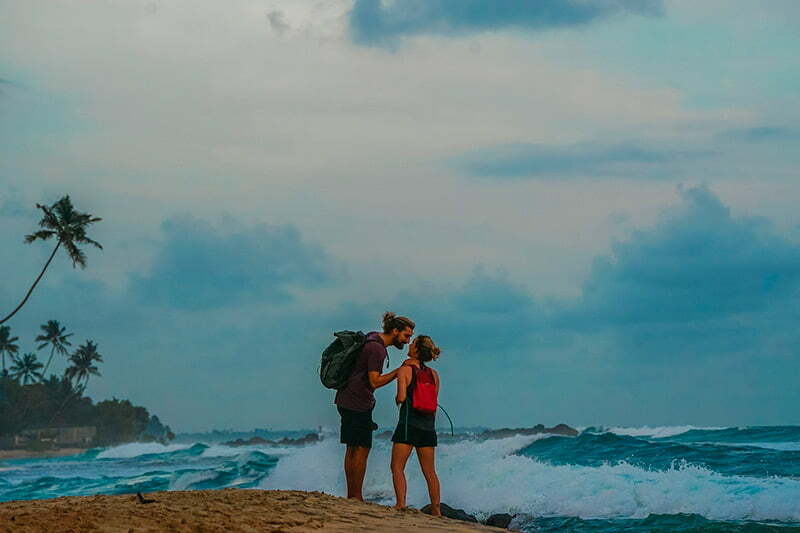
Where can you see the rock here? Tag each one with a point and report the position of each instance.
(449, 512)
(308, 439)
(254, 441)
(142, 499)
(560, 429)
(501, 520)
(260, 441)
(563, 429)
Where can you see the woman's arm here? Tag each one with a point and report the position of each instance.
(403, 380)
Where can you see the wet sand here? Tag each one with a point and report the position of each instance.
(25, 454)
(228, 510)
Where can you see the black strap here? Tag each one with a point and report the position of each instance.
(452, 430)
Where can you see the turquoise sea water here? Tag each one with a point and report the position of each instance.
(677, 479)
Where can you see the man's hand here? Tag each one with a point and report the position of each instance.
(378, 380)
(411, 362)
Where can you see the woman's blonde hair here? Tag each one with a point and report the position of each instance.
(426, 349)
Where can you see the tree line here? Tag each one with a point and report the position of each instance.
(27, 368)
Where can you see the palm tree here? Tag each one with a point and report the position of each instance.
(7, 345)
(27, 369)
(82, 364)
(53, 336)
(68, 226)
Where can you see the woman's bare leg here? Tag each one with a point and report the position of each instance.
(427, 462)
(400, 454)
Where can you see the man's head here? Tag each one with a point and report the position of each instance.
(398, 329)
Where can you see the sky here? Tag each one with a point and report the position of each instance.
(590, 205)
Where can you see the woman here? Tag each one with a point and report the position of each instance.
(416, 428)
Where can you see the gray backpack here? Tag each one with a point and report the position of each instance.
(339, 357)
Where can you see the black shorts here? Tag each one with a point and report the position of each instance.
(417, 437)
(357, 427)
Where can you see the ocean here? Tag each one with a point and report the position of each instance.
(670, 479)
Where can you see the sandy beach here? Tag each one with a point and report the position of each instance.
(230, 510)
(25, 454)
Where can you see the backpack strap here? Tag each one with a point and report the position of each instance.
(380, 341)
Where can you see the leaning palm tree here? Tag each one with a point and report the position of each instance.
(8, 345)
(26, 369)
(83, 364)
(53, 336)
(68, 226)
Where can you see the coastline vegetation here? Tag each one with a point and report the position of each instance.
(30, 401)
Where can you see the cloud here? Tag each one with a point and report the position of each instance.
(699, 262)
(280, 116)
(700, 281)
(485, 293)
(470, 317)
(12, 205)
(374, 22)
(203, 266)
(277, 22)
(761, 134)
(586, 159)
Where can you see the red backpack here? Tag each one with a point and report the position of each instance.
(424, 397)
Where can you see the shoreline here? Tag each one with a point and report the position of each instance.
(230, 510)
(27, 454)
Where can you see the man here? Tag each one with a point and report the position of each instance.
(356, 400)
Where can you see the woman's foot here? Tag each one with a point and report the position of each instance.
(436, 510)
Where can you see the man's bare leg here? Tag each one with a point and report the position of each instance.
(355, 468)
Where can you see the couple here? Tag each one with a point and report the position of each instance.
(415, 428)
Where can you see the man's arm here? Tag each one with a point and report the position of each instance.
(378, 380)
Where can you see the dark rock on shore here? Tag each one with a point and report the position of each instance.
(449, 512)
(560, 429)
(501, 520)
(260, 441)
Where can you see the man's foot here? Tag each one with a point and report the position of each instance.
(436, 510)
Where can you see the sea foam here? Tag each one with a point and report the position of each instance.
(487, 477)
(135, 449)
(658, 432)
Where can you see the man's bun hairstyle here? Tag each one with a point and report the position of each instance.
(426, 349)
(391, 321)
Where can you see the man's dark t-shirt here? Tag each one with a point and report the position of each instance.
(357, 394)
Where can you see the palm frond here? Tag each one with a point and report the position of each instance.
(87, 240)
(41, 234)
(75, 254)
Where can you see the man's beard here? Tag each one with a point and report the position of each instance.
(398, 344)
